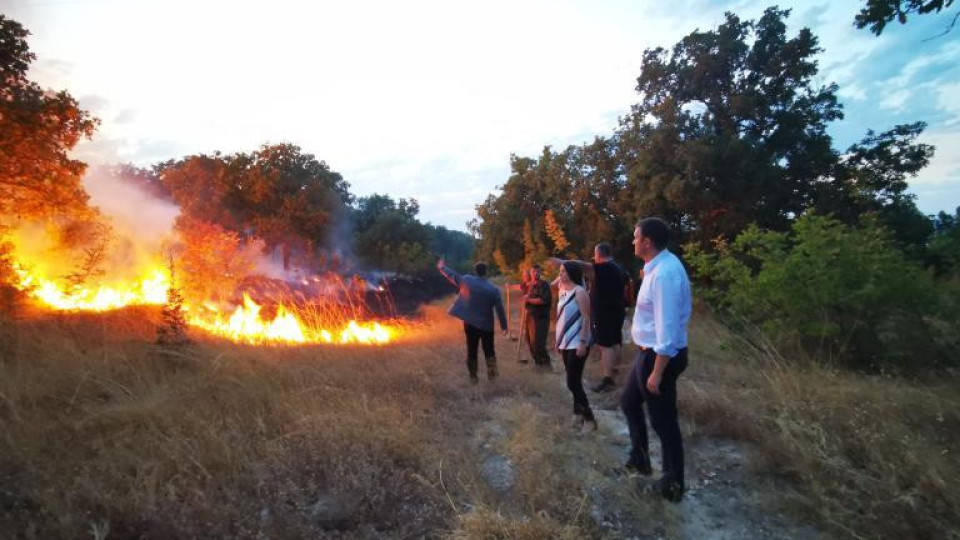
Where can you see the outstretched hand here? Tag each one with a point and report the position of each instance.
(441, 263)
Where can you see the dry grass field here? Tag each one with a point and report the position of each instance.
(105, 435)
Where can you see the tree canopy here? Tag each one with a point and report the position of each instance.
(730, 130)
(877, 14)
(278, 193)
(38, 128)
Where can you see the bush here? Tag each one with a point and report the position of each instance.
(844, 294)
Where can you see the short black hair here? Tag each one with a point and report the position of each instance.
(656, 230)
(480, 268)
(537, 267)
(574, 272)
(604, 249)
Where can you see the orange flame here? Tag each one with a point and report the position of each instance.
(245, 324)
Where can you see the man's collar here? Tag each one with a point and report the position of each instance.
(656, 260)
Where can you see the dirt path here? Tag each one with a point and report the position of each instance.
(724, 499)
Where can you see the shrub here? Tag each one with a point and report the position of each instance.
(841, 293)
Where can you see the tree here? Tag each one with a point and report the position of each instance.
(278, 193)
(38, 128)
(456, 247)
(878, 13)
(730, 129)
(389, 236)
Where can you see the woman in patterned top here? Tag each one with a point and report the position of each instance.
(573, 338)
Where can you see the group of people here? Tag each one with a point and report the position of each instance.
(591, 310)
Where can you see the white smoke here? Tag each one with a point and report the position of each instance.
(131, 209)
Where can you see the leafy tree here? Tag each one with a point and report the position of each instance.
(871, 179)
(456, 247)
(730, 129)
(277, 193)
(878, 13)
(388, 235)
(38, 128)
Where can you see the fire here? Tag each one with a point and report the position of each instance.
(151, 289)
(246, 324)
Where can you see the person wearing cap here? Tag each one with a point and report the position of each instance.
(660, 320)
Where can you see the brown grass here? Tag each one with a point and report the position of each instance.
(104, 435)
(868, 456)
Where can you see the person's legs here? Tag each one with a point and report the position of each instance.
(530, 331)
(486, 339)
(541, 329)
(631, 402)
(609, 338)
(473, 341)
(662, 409)
(574, 366)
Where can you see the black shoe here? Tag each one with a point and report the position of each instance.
(474, 379)
(669, 489)
(491, 373)
(640, 466)
(523, 361)
(606, 384)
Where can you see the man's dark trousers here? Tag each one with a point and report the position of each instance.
(537, 328)
(661, 408)
(476, 337)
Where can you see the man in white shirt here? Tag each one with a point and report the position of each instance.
(660, 331)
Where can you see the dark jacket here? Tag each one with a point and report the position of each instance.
(477, 301)
(539, 289)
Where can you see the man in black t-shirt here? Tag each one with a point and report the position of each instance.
(610, 310)
(537, 302)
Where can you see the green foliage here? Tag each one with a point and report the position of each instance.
(844, 294)
(456, 247)
(878, 13)
(945, 244)
(38, 128)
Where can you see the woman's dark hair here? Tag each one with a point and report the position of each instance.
(574, 272)
(480, 268)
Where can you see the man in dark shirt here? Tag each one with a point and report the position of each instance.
(537, 302)
(610, 279)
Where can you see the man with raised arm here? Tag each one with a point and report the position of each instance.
(476, 302)
(660, 322)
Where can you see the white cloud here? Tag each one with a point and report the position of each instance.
(896, 100)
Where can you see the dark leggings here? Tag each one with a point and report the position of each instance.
(574, 365)
(661, 408)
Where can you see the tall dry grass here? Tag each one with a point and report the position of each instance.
(868, 456)
(105, 435)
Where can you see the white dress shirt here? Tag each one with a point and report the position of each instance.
(663, 307)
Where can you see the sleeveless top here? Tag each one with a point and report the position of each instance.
(569, 320)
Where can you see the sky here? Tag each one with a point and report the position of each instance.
(429, 99)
